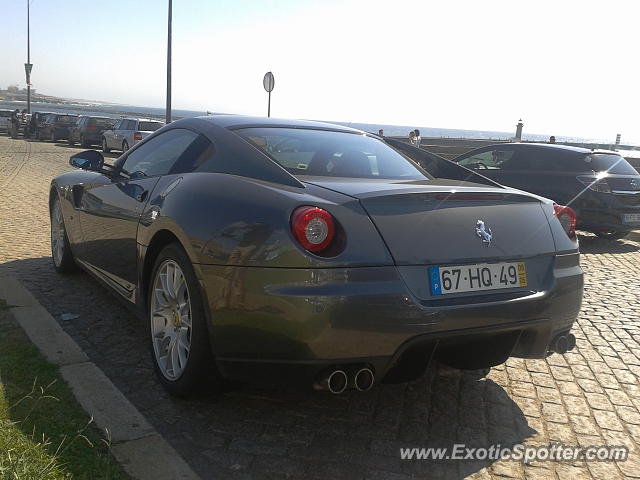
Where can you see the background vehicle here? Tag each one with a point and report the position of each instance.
(284, 251)
(37, 120)
(5, 120)
(56, 126)
(127, 132)
(88, 130)
(600, 186)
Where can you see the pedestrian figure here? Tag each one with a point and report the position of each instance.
(418, 137)
(412, 137)
(552, 139)
(15, 123)
(381, 132)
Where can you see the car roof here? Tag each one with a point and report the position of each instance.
(551, 146)
(241, 121)
(140, 119)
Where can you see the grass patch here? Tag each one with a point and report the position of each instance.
(44, 433)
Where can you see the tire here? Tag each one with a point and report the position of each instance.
(70, 140)
(125, 146)
(184, 366)
(60, 248)
(83, 142)
(612, 234)
(105, 149)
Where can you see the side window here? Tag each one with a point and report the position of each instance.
(175, 151)
(488, 160)
(116, 125)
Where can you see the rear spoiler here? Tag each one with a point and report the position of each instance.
(437, 166)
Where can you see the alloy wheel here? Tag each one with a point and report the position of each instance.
(57, 234)
(170, 313)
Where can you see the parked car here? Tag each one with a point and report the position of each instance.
(56, 126)
(88, 130)
(600, 186)
(301, 252)
(5, 120)
(127, 132)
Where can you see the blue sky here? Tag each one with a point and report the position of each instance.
(565, 67)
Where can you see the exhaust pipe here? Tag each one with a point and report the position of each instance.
(334, 381)
(364, 379)
(564, 343)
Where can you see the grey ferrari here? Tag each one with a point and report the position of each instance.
(266, 250)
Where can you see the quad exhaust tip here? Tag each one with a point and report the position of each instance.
(564, 343)
(337, 380)
(364, 379)
(334, 381)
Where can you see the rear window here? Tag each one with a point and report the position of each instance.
(5, 113)
(149, 126)
(101, 122)
(66, 119)
(602, 162)
(331, 154)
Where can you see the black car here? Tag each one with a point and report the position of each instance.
(88, 130)
(285, 251)
(599, 185)
(56, 126)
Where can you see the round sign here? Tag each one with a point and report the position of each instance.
(268, 81)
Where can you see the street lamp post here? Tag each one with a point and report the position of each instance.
(168, 108)
(27, 66)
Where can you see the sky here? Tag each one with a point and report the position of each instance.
(567, 68)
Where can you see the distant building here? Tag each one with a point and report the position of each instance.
(13, 89)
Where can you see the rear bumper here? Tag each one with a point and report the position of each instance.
(278, 323)
(609, 216)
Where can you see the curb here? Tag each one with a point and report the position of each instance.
(141, 451)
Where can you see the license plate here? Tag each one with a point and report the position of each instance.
(479, 277)
(631, 218)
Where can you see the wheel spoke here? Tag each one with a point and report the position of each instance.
(170, 312)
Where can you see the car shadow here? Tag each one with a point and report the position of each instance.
(306, 433)
(591, 244)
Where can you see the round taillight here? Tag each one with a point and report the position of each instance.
(567, 218)
(313, 228)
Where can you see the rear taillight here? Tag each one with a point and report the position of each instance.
(567, 218)
(91, 128)
(137, 136)
(313, 228)
(57, 125)
(596, 184)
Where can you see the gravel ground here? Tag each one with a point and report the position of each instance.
(590, 396)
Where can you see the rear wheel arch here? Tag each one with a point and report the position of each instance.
(160, 239)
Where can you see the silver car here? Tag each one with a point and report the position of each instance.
(127, 132)
(5, 120)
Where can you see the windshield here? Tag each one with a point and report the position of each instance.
(331, 154)
(149, 126)
(101, 122)
(610, 163)
(5, 113)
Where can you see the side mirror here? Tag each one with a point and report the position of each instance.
(87, 160)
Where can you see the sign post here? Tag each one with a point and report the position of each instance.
(268, 82)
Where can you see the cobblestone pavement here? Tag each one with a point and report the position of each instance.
(588, 397)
